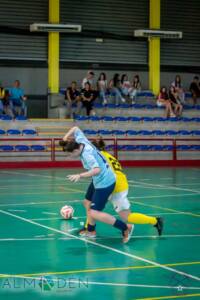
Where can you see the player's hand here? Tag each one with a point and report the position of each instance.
(74, 178)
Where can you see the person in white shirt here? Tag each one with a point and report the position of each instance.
(102, 87)
(89, 78)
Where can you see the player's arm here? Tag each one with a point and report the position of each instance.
(87, 174)
(70, 133)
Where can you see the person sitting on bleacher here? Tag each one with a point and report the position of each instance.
(136, 87)
(115, 88)
(175, 101)
(17, 99)
(195, 89)
(163, 100)
(126, 86)
(179, 88)
(2, 94)
(87, 97)
(73, 97)
(102, 87)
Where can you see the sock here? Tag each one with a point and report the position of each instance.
(120, 225)
(91, 227)
(86, 224)
(141, 219)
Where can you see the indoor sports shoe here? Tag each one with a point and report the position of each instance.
(159, 225)
(83, 232)
(91, 234)
(127, 233)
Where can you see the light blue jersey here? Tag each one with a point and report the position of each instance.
(91, 158)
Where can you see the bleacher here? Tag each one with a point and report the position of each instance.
(145, 133)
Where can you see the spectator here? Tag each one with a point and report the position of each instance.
(175, 101)
(89, 78)
(87, 99)
(73, 97)
(163, 100)
(179, 89)
(102, 87)
(125, 85)
(195, 89)
(136, 87)
(17, 99)
(2, 94)
(115, 86)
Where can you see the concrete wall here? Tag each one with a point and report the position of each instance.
(35, 80)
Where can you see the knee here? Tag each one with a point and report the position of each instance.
(86, 204)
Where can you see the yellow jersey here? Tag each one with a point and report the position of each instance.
(121, 180)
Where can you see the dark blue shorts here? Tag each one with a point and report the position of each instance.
(99, 197)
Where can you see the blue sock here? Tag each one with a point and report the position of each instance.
(91, 227)
(120, 225)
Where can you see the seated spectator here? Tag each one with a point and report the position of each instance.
(163, 100)
(136, 87)
(179, 89)
(175, 101)
(125, 85)
(2, 94)
(73, 97)
(115, 88)
(102, 87)
(17, 99)
(87, 99)
(195, 89)
(89, 78)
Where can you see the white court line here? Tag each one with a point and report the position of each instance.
(26, 239)
(38, 203)
(49, 213)
(103, 246)
(167, 187)
(116, 284)
(17, 210)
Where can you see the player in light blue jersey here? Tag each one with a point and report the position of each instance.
(102, 185)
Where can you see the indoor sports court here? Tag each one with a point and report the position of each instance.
(37, 243)
(99, 99)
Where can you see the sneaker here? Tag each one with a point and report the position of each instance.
(123, 100)
(127, 233)
(159, 225)
(105, 102)
(91, 234)
(83, 232)
(172, 115)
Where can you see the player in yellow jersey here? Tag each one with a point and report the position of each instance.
(119, 197)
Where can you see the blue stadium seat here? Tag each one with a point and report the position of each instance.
(173, 119)
(112, 105)
(2, 132)
(119, 132)
(122, 119)
(135, 119)
(81, 118)
(184, 132)
(195, 147)
(170, 132)
(98, 105)
(145, 132)
(5, 118)
(13, 131)
(105, 132)
(148, 119)
(160, 119)
(132, 132)
(198, 107)
(124, 105)
(29, 132)
(143, 147)
(195, 132)
(108, 119)
(183, 147)
(38, 148)
(188, 95)
(157, 147)
(90, 132)
(150, 106)
(197, 119)
(6, 148)
(21, 118)
(22, 148)
(110, 147)
(62, 91)
(158, 132)
(95, 118)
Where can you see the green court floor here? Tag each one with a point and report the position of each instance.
(42, 257)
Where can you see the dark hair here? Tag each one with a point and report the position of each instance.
(69, 146)
(91, 73)
(104, 76)
(116, 79)
(123, 77)
(99, 144)
(196, 78)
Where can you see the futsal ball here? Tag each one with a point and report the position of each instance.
(67, 212)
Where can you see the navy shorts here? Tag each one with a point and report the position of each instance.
(99, 197)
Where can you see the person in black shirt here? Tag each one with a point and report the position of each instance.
(195, 89)
(73, 99)
(87, 96)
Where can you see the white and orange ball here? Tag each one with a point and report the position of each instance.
(67, 212)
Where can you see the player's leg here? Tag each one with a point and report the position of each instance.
(99, 201)
(122, 207)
